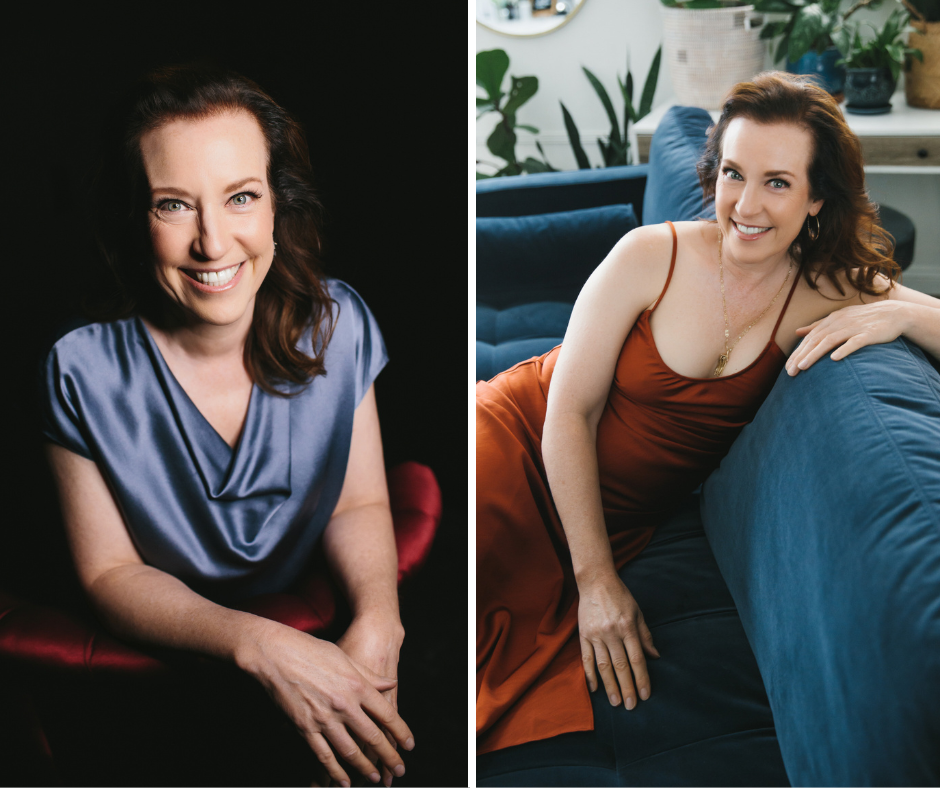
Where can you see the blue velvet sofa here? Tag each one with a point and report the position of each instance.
(795, 598)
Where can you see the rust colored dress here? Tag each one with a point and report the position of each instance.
(659, 437)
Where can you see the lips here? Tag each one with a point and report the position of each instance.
(749, 232)
(214, 281)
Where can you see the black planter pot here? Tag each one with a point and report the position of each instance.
(868, 90)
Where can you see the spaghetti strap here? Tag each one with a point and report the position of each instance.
(786, 303)
(672, 265)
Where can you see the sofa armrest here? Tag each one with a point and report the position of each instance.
(551, 192)
(825, 521)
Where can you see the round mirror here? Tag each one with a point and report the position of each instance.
(523, 18)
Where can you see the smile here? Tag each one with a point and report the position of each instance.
(213, 281)
(750, 232)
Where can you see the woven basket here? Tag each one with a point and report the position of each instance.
(711, 50)
(922, 82)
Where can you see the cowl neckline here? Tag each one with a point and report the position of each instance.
(256, 466)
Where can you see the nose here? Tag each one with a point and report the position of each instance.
(749, 201)
(213, 238)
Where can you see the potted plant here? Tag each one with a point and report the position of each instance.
(873, 66)
(806, 42)
(492, 66)
(922, 79)
(710, 45)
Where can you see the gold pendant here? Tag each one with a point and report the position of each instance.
(722, 361)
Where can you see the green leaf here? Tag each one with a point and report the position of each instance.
(774, 7)
(523, 88)
(809, 25)
(703, 4)
(502, 142)
(649, 87)
(782, 48)
(531, 165)
(492, 66)
(605, 100)
(773, 29)
(481, 176)
(575, 139)
(531, 129)
(484, 102)
(544, 157)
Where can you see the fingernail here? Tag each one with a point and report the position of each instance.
(388, 782)
(629, 703)
(614, 700)
(802, 364)
(399, 770)
(374, 777)
(644, 693)
(409, 743)
(344, 783)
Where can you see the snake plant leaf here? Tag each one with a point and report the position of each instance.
(649, 87)
(492, 65)
(528, 128)
(810, 24)
(628, 110)
(502, 142)
(605, 100)
(575, 139)
(548, 166)
(523, 88)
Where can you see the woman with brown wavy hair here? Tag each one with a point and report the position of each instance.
(673, 343)
(218, 419)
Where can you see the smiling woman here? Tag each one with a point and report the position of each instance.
(200, 449)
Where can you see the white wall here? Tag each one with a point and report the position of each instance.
(600, 37)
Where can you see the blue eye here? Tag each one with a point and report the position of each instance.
(173, 206)
(240, 199)
(778, 183)
(729, 172)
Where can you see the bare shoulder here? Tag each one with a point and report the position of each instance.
(641, 259)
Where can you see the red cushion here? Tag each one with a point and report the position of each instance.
(43, 636)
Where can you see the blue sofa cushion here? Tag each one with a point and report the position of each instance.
(707, 721)
(672, 188)
(825, 521)
(545, 257)
(508, 336)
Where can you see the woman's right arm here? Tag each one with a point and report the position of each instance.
(312, 680)
(611, 628)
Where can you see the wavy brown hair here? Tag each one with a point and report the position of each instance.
(293, 295)
(850, 240)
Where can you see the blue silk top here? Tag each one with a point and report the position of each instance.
(230, 523)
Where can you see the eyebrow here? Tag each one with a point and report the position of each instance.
(183, 193)
(769, 172)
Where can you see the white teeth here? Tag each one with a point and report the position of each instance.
(217, 278)
(749, 230)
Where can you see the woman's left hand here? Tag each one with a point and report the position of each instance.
(375, 641)
(848, 329)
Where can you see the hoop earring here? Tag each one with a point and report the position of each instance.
(812, 235)
(275, 251)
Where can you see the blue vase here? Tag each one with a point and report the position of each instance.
(868, 90)
(822, 68)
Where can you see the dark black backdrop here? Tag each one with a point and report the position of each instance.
(381, 93)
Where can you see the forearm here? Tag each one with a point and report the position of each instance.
(923, 328)
(359, 545)
(569, 451)
(144, 604)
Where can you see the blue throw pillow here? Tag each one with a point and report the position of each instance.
(672, 188)
(546, 257)
(825, 522)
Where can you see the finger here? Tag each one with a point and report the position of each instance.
(618, 657)
(638, 666)
(824, 346)
(382, 712)
(646, 637)
(587, 661)
(325, 755)
(381, 683)
(605, 668)
(856, 342)
(349, 751)
(370, 735)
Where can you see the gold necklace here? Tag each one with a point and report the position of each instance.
(723, 358)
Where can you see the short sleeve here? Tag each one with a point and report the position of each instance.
(60, 420)
(371, 355)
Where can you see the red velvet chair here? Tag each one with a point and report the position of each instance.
(44, 642)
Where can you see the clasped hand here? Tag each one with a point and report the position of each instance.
(848, 329)
(333, 701)
(614, 638)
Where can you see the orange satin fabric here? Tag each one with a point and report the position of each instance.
(659, 437)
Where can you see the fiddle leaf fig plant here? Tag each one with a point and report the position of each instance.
(492, 66)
